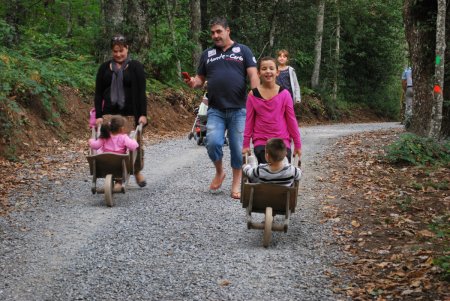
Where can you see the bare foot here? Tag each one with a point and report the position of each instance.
(236, 185)
(236, 195)
(118, 187)
(217, 181)
(140, 180)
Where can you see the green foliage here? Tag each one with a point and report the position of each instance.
(6, 33)
(373, 54)
(444, 263)
(441, 226)
(415, 150)
(405, 203)
(54, 43)
(161, 60)
(32, 73)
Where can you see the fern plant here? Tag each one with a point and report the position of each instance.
(415, 150)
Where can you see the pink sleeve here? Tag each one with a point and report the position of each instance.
(249, 121)
(291, 121)
(96, 144)
(131, 144)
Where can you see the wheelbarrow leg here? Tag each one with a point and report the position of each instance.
(268, 220)
(109, 190)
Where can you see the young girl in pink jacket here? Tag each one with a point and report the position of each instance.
(113, 138)
(270, 114)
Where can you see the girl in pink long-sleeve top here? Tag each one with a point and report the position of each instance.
(270, 114)
(113, 138)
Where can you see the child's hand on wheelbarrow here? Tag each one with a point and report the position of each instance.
(143, 120)
(246, 151)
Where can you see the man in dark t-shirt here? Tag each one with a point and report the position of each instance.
(226, 67)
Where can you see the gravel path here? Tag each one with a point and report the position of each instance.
(172, 240)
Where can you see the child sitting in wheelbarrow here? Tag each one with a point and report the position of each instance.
(277, 170)
(113, 139)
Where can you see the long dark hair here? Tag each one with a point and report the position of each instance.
(112, 127)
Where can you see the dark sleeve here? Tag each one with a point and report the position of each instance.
(99, 89)
(140, 89)
(201, 70)
(249, 58)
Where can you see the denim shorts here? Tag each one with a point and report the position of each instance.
(231, 120)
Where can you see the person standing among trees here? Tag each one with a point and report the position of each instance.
(270, 114)
(226, 67)
(120, 89)
(407, 85)
(287, 77)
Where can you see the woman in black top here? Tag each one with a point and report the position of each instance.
(120, 88)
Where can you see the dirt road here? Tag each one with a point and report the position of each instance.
(172, 240)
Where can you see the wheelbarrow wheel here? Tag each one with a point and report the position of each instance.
(109, 190)
(267, 236)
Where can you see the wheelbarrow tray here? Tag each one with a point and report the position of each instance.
(269, 195)
(103, 164)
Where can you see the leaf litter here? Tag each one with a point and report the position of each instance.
(383, 217)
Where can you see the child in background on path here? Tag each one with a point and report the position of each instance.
(270, 113)
(275, 171)
(288, 78)
(113, 138)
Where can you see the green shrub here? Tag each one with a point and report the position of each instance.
(6, 33)
(441, 226)
(415, 150)
(444, 263)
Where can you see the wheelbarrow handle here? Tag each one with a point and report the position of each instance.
(297, 162)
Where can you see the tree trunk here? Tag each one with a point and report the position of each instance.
(169, 11)
(14, 16)
(196, 25)
(421, 44)
(318, 45)
(445, 128)
(420, 29)
(337, 52)
(69, 19)
(113, 22)
(137, 22)
(204, 21)
(234, 19)
(436, 111)
(273, 25)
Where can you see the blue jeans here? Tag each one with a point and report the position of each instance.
(232, 120)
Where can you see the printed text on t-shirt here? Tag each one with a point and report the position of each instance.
(228, 57)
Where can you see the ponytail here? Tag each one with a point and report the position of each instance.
(112, 127)
(105, 131)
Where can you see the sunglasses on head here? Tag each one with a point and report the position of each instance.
(118, 39)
